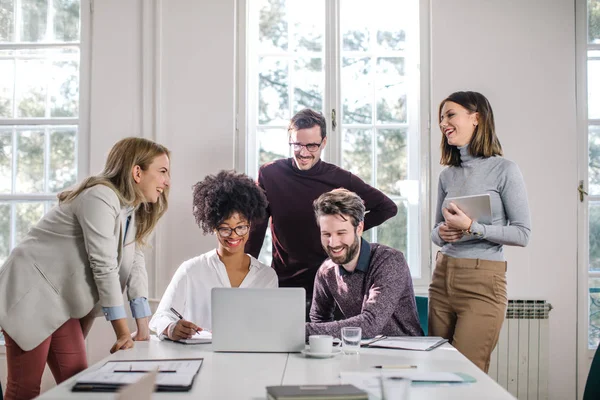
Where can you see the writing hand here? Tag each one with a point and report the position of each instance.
(182, 330)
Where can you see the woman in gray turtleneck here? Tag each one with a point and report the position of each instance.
(467, 295)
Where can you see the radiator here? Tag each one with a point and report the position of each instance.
(519, 362)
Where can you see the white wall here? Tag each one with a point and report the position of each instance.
(519, 54)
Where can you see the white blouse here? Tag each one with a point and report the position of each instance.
(190, 289)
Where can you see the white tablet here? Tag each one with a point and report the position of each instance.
(477, 207)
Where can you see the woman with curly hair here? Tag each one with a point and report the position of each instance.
(225, 205)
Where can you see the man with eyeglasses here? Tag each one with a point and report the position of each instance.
(291, 185)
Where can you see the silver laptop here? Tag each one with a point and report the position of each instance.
(258, 320)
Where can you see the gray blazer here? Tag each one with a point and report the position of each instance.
(71, 261)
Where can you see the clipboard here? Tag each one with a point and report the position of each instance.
(174, 375)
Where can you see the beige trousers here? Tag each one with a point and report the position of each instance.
(467, 305)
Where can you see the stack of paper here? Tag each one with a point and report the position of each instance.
(371, 381)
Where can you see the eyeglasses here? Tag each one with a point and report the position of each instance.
(240, 230)
(312, 147)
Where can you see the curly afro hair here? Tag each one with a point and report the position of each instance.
(219, 196)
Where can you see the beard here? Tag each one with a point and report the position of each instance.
(351, 252)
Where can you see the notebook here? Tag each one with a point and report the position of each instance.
(174, 375)
(477, 207)
(198, 338)
(316, 392)
(420, 343)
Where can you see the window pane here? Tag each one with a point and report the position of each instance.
(30, 161)
(391, 37)
(594, 328)
(63, 170)
(273, 25)
(6, 158)
(33, 18)
(393, 232)
(308, 19)
(64, 87)
(273, 97)
(7, 21)
(7, 83)
(52, 72)
(28, 213)
(594, 84)
(66, 20)
(31, 84)
(272, 144)
(357, 91)
(355, 35)
(357, 153)
(594, 21)
(594, 227)
(266, 251)
(392, 160)
(594, 159)
(4, 232)
(391, 93)
(309, 84)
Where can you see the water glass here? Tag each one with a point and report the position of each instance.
(395, 388)
(351, 339)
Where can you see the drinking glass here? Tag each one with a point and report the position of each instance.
(351, 339)
(395, 388)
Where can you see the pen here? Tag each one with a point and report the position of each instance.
(144, 371)
(395, 366)
(174, 311)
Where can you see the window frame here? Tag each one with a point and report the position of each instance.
(246, 133)
(81, 122)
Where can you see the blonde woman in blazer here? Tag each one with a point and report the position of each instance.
(75, 263)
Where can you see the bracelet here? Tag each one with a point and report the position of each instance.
(468, 230)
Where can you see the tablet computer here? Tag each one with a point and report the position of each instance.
(477, 207)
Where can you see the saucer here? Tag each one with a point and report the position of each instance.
(334, 352)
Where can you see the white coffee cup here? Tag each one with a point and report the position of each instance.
(320, 343)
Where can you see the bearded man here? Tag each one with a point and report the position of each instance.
(369, 282)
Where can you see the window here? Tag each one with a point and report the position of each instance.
(359, 64)
(593, 112)
(40, 62)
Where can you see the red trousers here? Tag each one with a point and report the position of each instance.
(64, 351)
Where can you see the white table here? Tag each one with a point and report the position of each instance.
(245, 375)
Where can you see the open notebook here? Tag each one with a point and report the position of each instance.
(198, 338)
(422, 343)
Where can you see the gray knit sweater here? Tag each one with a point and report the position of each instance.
(502, 180)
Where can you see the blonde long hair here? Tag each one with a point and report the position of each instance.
(117, 175)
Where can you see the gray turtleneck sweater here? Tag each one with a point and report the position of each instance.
(502, 180)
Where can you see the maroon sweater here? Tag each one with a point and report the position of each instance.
(377, 296)
(297, 251)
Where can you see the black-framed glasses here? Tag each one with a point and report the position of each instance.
(312, 147)
(240, 230)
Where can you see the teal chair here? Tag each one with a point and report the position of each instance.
(422, 310)
(592, 386)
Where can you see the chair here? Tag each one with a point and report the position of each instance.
(592, 386)
(422, 310)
